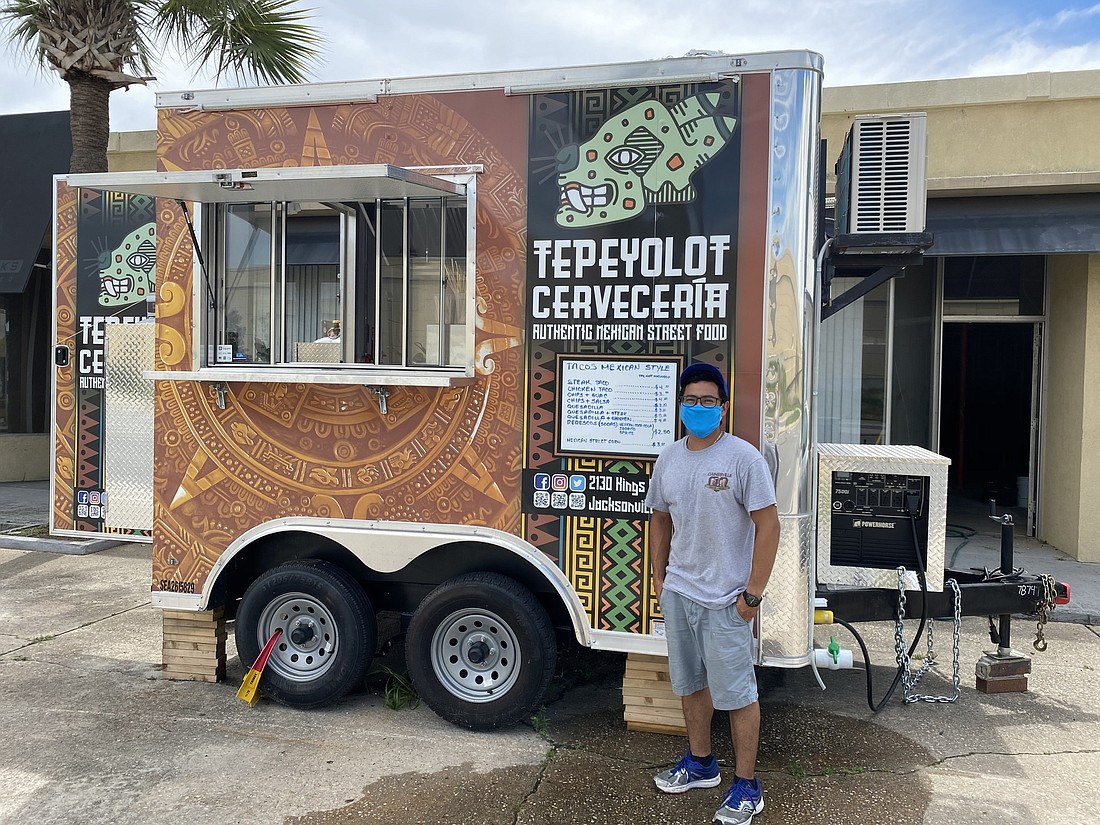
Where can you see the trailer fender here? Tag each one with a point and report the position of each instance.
(389, 546)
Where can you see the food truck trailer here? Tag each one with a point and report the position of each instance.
(408, 348)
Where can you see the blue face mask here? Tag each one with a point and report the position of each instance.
(701, 421)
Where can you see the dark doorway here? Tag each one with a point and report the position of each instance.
(985, 419)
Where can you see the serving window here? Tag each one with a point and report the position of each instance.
(375, 283)
(352, 274)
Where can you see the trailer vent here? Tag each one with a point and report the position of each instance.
(881, 185)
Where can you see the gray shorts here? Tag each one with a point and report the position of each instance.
(709, 648)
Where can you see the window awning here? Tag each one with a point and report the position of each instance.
(1015, 225)
(313, 183)
(36, 147)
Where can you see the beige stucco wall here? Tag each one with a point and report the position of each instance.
(1065, 359)
(1089, 534)
(992, 135)
(132, 151)
(24, 457)
(1071, 473)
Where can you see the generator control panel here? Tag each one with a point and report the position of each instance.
(879, 494)
(871, 515)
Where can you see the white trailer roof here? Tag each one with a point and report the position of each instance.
(694, 68)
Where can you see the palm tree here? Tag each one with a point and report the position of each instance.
(98, 46)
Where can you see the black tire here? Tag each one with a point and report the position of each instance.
(329, 632)
(481, 651)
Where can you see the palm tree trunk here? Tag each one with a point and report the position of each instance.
(90, 119)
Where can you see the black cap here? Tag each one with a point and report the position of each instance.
(700, 371)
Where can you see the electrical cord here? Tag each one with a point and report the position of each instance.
(955, 531)
(920, 629)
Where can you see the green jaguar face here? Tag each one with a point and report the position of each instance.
(127, 274)
(645, 154)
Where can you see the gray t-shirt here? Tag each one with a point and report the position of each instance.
(709, 494)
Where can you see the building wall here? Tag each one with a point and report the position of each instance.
(1089, 532)
(990, 135)
(132, 151)
(1018, 135)
(24, 456)
(1065, 358)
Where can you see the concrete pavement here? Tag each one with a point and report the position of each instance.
(27, 504)
(94, 734)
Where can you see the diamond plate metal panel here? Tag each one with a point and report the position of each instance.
(128, 427)
(893, 460)
(786, 616)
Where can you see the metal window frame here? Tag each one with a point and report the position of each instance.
(232, 187)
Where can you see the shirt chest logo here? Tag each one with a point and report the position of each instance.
(718, 482)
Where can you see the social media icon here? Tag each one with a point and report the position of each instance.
(560, 482)
(81, 496)
(94, 498)
(542, 481)
(559, 501)
(542, 498)
(578, 484)
(576, 501)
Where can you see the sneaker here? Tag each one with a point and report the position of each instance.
(687, 774)
(743, 802)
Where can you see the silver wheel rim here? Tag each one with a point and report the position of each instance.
(475, 655)
(307, 647)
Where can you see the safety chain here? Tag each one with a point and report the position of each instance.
(909, 681)
(1046, 604)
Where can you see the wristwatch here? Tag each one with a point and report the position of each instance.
(751, 600)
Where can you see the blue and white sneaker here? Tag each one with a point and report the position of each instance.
(743, 802)
(687, 774)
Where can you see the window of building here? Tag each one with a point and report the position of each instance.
(1002, 285)
(853, 377)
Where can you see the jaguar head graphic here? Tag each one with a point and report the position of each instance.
(127, 273)
(643, 155)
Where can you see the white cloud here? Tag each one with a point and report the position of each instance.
(863, 41)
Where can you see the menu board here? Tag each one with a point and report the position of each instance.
(616, 406)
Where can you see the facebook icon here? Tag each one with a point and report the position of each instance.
(542, 481)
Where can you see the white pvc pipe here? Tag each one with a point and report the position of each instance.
(824, 659)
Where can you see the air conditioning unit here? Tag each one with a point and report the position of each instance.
(881, 176)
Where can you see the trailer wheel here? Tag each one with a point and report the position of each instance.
(328, 632)
(481, 650)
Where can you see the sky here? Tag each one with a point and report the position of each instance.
(862, 41)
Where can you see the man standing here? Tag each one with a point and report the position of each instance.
(713, 535)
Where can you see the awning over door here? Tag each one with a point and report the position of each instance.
(35, 147)
(314, 183)
(1015, 225)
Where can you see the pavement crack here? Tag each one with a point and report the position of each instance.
(1080, 752)
(551, 752)
(45, 639)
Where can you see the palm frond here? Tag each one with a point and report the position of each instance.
(269, 41)
(103, 38)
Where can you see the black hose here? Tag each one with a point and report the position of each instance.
(916, 639)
